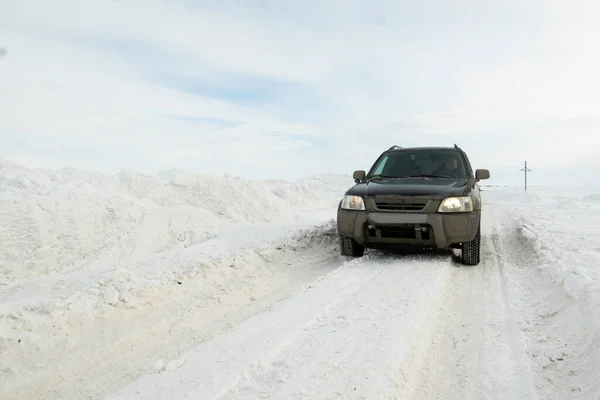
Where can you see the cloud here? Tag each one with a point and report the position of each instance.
(262, 87)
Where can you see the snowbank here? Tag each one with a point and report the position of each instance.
(60, 221)
(560, 229)
(75, 242)
(558, 235)
(593, 198)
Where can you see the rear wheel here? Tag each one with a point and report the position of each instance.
(350, 247)
(471, 251)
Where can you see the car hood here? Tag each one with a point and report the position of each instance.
(424, 187)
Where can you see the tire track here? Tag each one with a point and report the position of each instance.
(362, 345)
(476, 350)
(272, 364)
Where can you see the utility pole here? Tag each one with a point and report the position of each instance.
(526, 170)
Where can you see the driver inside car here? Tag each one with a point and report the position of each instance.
(449, 167)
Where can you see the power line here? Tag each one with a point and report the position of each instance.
(526, 170)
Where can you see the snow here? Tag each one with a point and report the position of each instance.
(180, 285)
(78, 243)
(555, 231)
(312, 352)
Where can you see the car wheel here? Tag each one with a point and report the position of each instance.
(471, 252)
(350, 247)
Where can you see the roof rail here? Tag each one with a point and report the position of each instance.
(394, 147)
(456, 147)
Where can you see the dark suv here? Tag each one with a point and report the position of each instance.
(426, 197)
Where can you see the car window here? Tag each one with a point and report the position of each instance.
(417, 162)
(381, 166)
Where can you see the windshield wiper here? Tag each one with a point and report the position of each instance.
(430, 176)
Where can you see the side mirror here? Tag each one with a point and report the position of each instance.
(359, 176)
(482, 174)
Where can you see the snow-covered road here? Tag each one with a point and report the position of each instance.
(380, 327)
(188, 298)
(344, 335)
(477, 351)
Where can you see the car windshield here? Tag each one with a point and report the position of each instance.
(420, 163)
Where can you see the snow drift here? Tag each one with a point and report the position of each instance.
(76, 243)
(65, 220)
(555, 232)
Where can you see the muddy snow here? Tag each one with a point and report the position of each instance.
(188, 286)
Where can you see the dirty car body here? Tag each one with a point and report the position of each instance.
(415, 197)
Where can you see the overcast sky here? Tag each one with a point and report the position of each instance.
(284, 89)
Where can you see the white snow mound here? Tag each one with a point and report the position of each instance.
(75, 241)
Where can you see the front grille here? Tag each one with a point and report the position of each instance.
(400, 205)
(399, 232)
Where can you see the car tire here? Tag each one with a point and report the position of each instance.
(471, 251)
(350, 247)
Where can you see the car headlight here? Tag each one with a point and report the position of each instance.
(456, 204)
(353, 203)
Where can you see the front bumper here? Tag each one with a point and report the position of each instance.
(375, 228)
